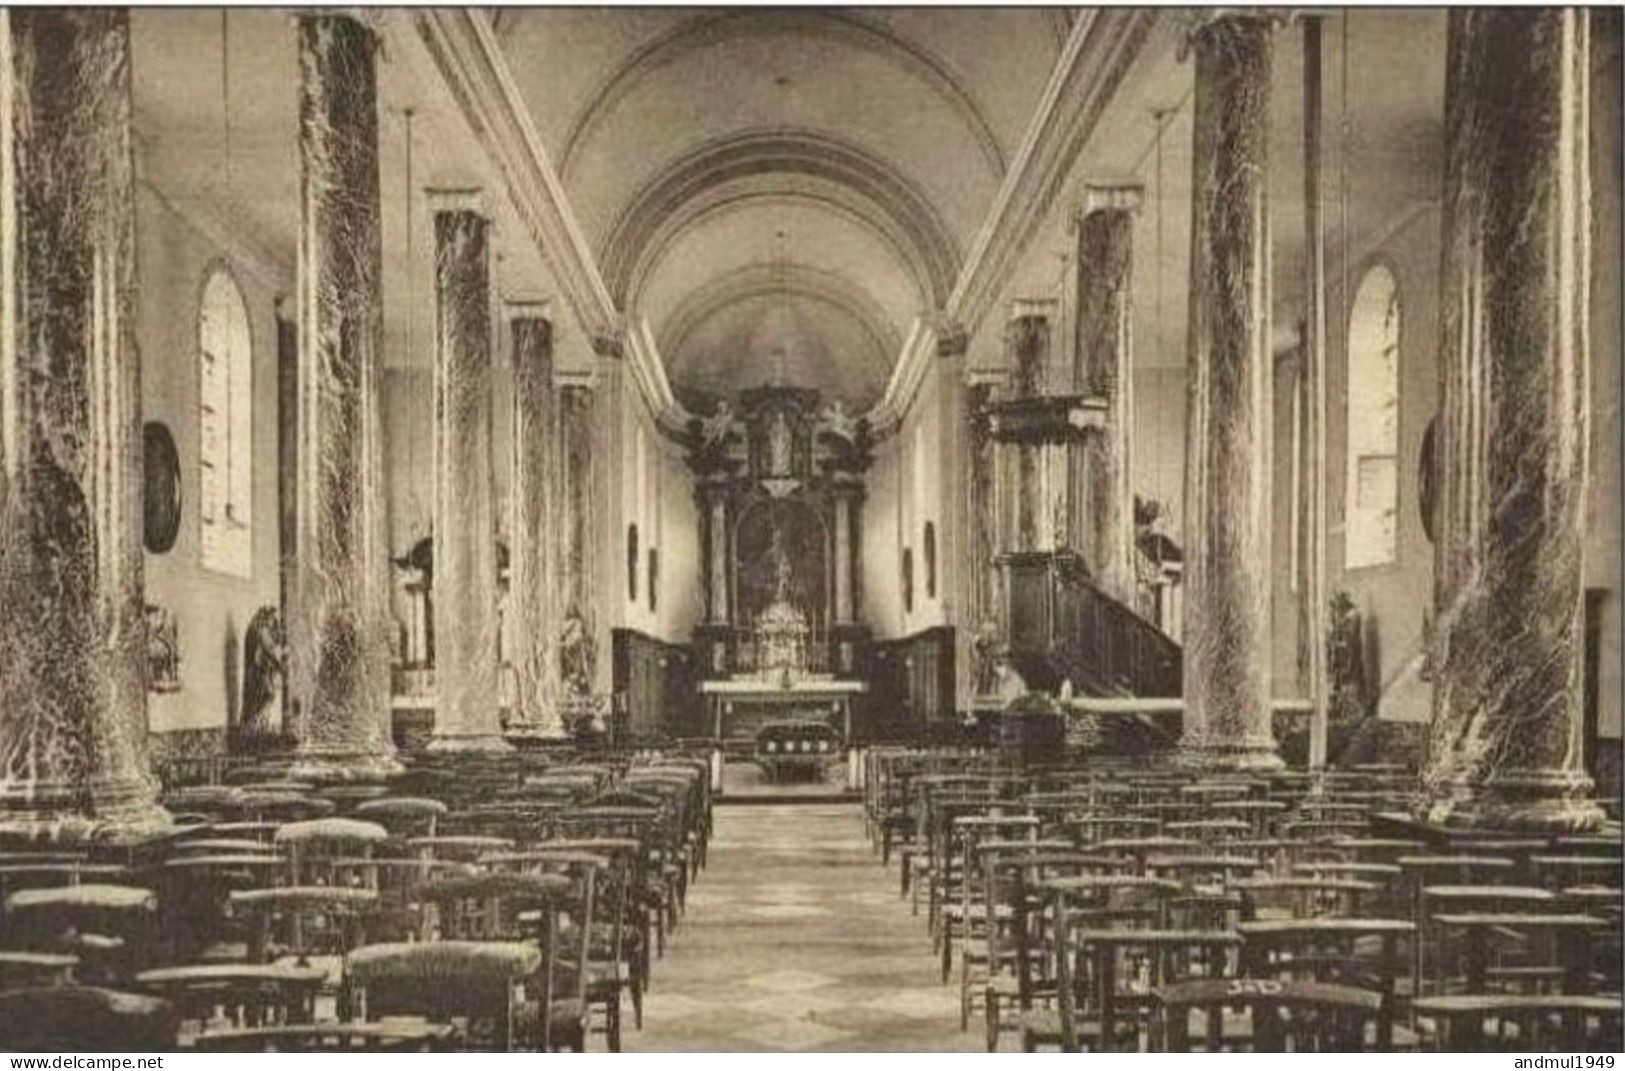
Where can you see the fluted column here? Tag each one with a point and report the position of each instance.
(339, 630)
(536, 503)
(73, 700)
(1227, 560)
(1513, 426)
(1102, 521)
(467, 711)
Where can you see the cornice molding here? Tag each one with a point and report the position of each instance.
(460, 45)
(649, 373)
(1099, 50)
(463, 48)
(1102, 45)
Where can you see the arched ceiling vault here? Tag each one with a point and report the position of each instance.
(712, 28)
(844, 175)
(804, 180)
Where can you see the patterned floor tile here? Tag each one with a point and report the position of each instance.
(795, 940)
(786, 911)
(801, 1004)
(789, 981)
(793, 1035)
(922, 1003)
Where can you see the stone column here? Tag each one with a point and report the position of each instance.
(1102, 524)
(73, 698)
(1513, 425)
(1227, 552)
(339, 631)
(611, 440)
(287, 459)
(581, 536)
(467, 714)
(984, 592)
(714, 498)
(843, 555)
(536, 504)
(1027, 341)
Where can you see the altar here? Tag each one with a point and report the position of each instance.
(739, 706)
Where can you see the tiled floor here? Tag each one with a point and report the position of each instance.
(795, 939)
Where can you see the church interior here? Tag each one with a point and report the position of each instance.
(810, 529)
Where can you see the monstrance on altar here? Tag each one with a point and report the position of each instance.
(781, 632)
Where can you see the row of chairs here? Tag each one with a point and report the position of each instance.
(466, 905)
(1110, 907)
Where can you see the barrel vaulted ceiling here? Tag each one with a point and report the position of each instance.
(780, 193)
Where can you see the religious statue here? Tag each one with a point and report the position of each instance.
(987, 649)
(778, 445)
(576, 655)
(835, 421)
(163, 651)
(716, 429)
(781, 630)
(263, 663)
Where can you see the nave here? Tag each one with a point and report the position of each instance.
(797, 941)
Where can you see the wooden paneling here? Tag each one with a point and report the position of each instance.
(655, 685)
(911, 688)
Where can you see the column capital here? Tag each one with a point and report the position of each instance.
(527, 308)
(456, 199)
(1200, 23)
(1026, 308)
(575, 378)
(611, 346)
(952, 339)
(1109, 197)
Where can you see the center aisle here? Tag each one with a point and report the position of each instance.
(796, 940)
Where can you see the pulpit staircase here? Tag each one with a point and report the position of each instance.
(1063, 626)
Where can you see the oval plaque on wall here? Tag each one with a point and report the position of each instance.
(161, 488)
(1427, 491)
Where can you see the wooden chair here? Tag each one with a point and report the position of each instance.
(1302, 897)
(1499, 1022)
(85, 1019)
(1361, 952)
(111, 928)
(1103, 977)
(479, 985)
(243, 994)
(303, 922)
(619, 951)
(1263, 1015)
(194, 891)
(392, 1036)
(36, 970)
(404, 816)
(312, 846)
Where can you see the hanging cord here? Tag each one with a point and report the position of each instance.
(225, 97)
(417, 392)
(1343, 174)
(1161, 117)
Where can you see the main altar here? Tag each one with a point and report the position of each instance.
(779, 478)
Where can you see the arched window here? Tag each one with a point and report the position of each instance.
(1372, 498)
(225, 428)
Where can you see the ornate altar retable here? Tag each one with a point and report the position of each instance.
(779, 477)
